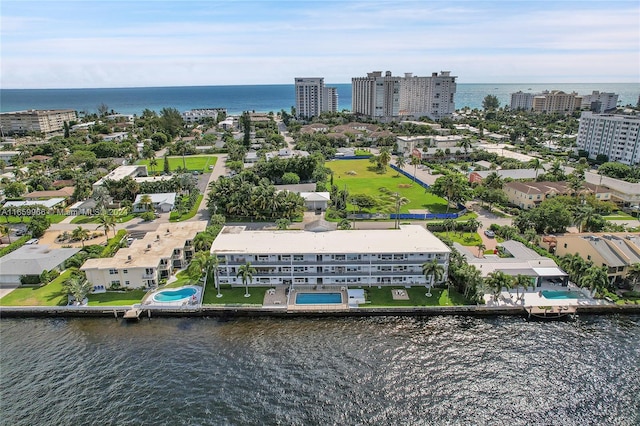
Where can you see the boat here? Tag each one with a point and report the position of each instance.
(550, 312)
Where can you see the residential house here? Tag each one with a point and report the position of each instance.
(162, 202)
(148, 260)
(527, 195)
(32, 260)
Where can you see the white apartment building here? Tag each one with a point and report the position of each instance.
(313, 97)
(42, 121)
(148, 260)
(376, 96)
(334, 258)
(522, 101)
(556, 101)
(428, 96)
(599, 102)
(195, 115)
(616, 136)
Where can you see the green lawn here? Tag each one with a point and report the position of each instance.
(233, 295)
(198, 163)
(467, 239)
(51, 294)
(191, 213)
(54, 218)
(619, 216)
(367, 181)
(439, 297)
(116, 298)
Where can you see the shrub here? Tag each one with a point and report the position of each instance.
(148, 216)
(15, 245)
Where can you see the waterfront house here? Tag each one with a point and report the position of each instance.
(145, 262)
(30, 261)
(162, 202)
(333, 258)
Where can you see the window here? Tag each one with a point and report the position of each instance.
(125, 271)
(113, 271)
(589, 257)
(565, 245)
(115, 283)
(126, 283)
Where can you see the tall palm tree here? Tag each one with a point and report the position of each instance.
(496, 281)
(153, 162)
(474, 224)
(106, 222)
(596, 279)
(582, 215)
(400, 162)
(523, 281)
(245, 272)
(415, 162)
(206, 262)
(466, 145)
(146, 202)
(481, 248)
(80, 234)
(448, 225)
(433, 272)
(536, 165)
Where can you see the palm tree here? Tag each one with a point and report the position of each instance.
(496, 281)
(481, 248)
(5, 230)
(474, 224)
(466, 145)
(596, 279)
(245, 272)
(400, 163)
(146, 201)
(204, 261)
(106, 222)
(582, 216)
(78, 287)
(432, 270)
(493, 180)
(415, 161)
(80, 234)
(523, 281)
(536, 165)
(153, 162)
(448, 225)
(633, 274)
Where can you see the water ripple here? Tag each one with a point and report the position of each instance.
(405, 371)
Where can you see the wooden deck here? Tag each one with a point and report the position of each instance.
(550, 311)
(132, 314)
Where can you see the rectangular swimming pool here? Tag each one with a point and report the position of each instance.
(553, 294)
(318, 298)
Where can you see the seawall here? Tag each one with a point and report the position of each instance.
(253, 311)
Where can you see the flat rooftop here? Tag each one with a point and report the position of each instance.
(148, 251)
(407, 239)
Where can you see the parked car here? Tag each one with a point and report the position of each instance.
(20, 232)
(489, 233)
(32, 241)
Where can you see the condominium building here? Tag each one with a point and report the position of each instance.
(145, 262)
(599, 102)
(313, 97)
(344, 258)
(528, 195)
(41, 121)
(616, 252)
(387, 97)
(376, 96)
(522, 101)
(616, 136)
(432, 96)
(556, 101)
(195, 115)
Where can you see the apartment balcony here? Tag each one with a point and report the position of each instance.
(148, 276)
(332, 262)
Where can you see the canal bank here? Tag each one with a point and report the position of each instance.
(118, 312)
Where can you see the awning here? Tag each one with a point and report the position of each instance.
(550, 272)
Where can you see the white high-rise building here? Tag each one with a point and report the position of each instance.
(313, 97)
(309, 96)
(522, 101)
(376, 96)
(428, 96)
(387, 97)
(616, 136)
(599, 102)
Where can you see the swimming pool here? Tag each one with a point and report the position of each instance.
(318, 298)
(559, 294)
(174, 295)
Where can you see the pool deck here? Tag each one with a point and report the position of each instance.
(148, 299)
(330, 307)
(536, 299)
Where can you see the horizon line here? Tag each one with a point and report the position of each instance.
(284, 84)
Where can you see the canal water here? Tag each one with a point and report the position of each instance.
(360, 371)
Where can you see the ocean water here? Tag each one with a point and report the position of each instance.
(340, 371)
(259, 98)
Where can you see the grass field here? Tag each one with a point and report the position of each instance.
(199, 163)
(467, 239)
(233, 295)
(367, 181)
(439, 297)
(116, 298)
(51, 294)
(54, 218)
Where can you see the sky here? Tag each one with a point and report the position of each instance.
(118, 43)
